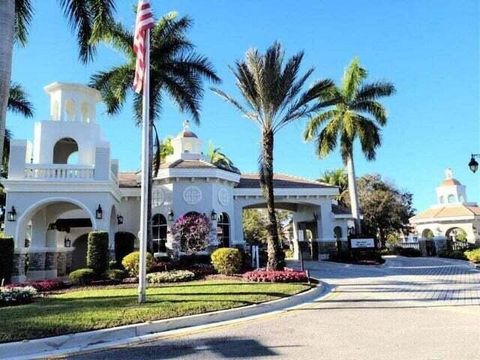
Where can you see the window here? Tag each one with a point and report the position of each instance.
(451, 199)
(159, 233)
(223, 230)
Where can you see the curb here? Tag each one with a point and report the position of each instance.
(129, 334)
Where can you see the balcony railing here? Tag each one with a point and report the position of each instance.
(59, 172)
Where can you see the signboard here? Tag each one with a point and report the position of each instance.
(362, 243)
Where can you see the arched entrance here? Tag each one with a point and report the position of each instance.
(50, 224)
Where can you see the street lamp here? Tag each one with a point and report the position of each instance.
(473, 164)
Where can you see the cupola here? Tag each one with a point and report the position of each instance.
(451, 191)
(186, 145)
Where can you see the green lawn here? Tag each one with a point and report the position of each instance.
(97, 308)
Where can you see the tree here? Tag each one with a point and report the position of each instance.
(88, 18)
(255, 224)
(176, 69)
(337, 177)
(216, 157)
(273, 95)
(386, 210)
(356, 114)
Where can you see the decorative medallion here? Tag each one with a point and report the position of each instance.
(223, 196)
(192, 195)
(158, 197)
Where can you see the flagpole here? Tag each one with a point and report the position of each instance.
(142, 270)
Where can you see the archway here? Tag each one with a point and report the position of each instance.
(427, 234)
(456, 234)
(65, 151)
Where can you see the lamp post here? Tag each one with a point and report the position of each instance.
(473, 164)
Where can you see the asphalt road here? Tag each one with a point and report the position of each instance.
(418, 308)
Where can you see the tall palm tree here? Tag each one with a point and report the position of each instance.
(357, 115)
(337, 177)
(87, 18)
(176, 69)
(274, 97)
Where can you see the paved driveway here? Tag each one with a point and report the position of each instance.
(410, 308)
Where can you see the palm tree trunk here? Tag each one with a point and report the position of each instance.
(274, 250)
(7, 26)
(352, 189)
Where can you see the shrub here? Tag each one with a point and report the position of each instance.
(7, 246)
(113, 265)
(131, 263)
(189, 260)
(16, 295)
(82, 276)
(124, 245)
(114, 275)
(170, 276)
(452, 254)
(97, 251)
(285, 275)
(227, 261)
(409, 252)
(41, 285)
(288, 254)
(473, 255)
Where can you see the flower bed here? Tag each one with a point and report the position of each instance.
(16, 295)
(41, 285)
(170, 276)
(285, 275)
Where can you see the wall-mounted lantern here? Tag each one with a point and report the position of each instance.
(99, 213)
(12, 214)
(67, 242)
(119, 219)
(213, 215)
(170, 215)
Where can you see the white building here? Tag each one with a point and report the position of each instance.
(64, 184)
(450, 215)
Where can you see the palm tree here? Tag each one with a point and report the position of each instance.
(216, 157)
(176, 69)
(273, 98)
(87, 18)
(356, 115)
(337, 177)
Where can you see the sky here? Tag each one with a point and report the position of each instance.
(429, 49)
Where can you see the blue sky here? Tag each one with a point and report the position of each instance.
(429, 49)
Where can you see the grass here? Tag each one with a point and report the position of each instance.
(98, 308)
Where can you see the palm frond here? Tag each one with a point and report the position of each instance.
(18, 101)
(353, 76)
(23, 17)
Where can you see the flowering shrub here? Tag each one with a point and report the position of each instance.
(170, 276)
(41, 285)
(191, 233)
(285, 275)
(16, 295)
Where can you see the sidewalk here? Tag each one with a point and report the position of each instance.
(124, 335)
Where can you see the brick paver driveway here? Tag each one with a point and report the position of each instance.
(410, 308)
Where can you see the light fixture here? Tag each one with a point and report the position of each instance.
(351, 230)
(12, 214)
(473, 164)
(213, 215)
(99, 213)
(67, 242)
(170, 215)
(119, 219)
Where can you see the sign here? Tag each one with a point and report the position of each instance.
(362, 243)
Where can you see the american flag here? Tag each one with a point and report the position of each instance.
(143, 23)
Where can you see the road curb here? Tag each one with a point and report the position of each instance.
(136, 333)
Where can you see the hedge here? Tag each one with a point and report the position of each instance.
(82, 276)
(124, 245)
(7, 246)
(97, 251)
(227, 261)
(170, 276)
